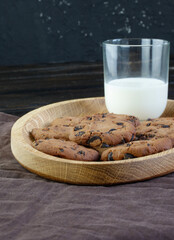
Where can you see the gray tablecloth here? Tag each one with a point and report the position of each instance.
(38, 209)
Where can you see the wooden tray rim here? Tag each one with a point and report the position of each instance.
(28, 147)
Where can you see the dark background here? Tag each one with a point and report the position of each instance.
(47, 31)
(50, 50)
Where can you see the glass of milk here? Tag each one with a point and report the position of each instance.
(136, 76)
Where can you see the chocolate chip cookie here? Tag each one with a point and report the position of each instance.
(155, 128)
(103, 134)
(99, 132)
(57, 132)
(116, 117)
(72, 121)
(136, 149)
(66, 121)
(66, 149)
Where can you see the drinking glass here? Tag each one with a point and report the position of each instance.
(136, 76)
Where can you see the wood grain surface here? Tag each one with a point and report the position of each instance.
(79, 172)
(24, 88)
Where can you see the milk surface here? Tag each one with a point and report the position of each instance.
(141, 97)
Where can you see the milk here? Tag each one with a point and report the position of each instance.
(141, 97)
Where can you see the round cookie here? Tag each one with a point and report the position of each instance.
(57, 132)
(159, 127)
(103, 134)
(66, 149)
(66, 121)
(136, 149)
(116, 117)
(72, 121)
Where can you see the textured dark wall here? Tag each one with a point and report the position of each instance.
(43, 31)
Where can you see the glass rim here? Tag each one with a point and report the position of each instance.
(114, 42)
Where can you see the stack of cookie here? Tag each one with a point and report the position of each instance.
(104, 136)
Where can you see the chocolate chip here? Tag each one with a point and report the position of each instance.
(141, 137)
(132, 119)
(93, 138)
(148, 144)
(119, 123)
(165, 126)
(103, 115)
(36, 144)
(149, 119)
(104, 145)
(89, 118)
(81, 152)
(128, 155)
(123, 141)
(77, 128)
(148, 124)
(61, 149)
(80, 133)
(151, 135)
(128, 144)
(110, 156)
(47, 138)
(113, 129)
(132, 138)
(73, 148)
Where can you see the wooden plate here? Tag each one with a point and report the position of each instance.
(78, 172)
